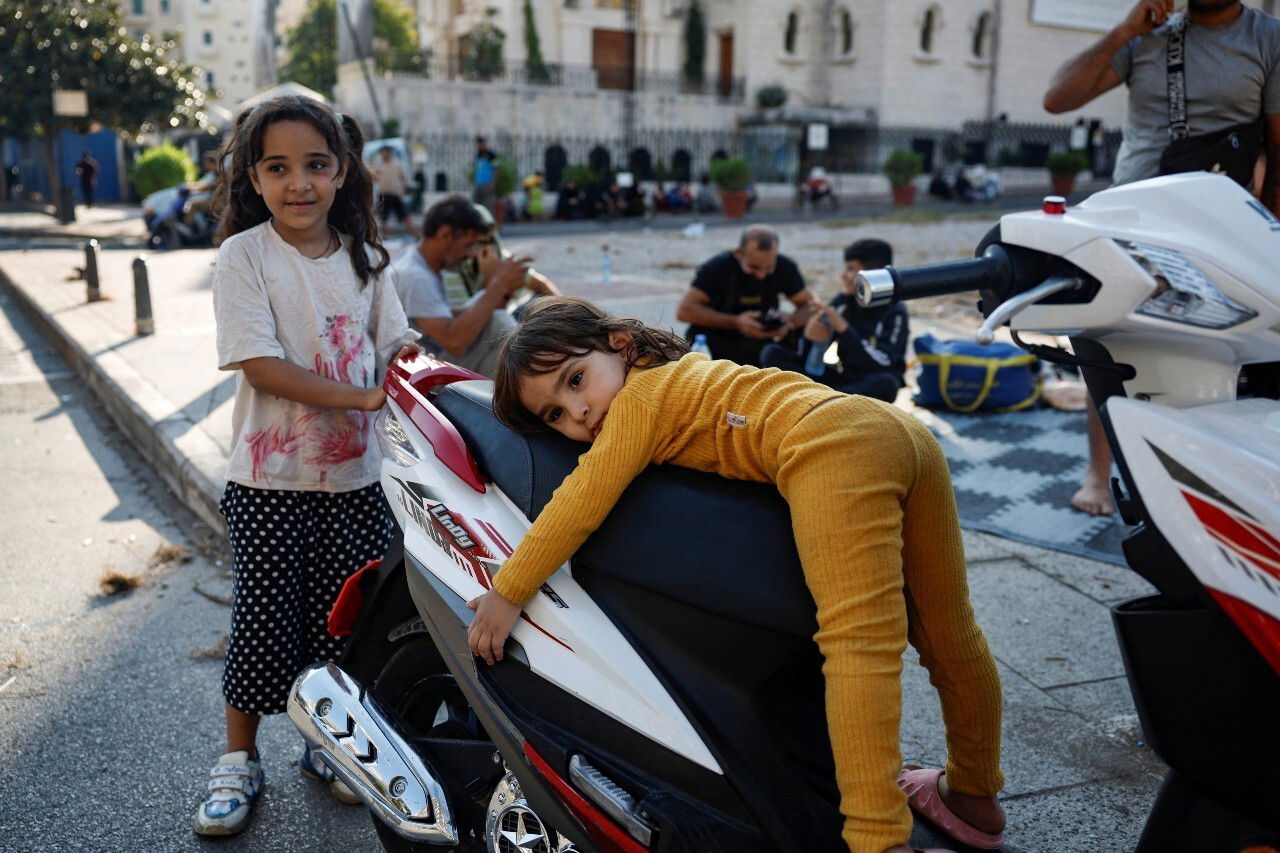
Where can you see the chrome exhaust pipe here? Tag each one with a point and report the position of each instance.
(351, 734)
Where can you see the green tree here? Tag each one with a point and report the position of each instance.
(482, 51)
(695, 42)
(132, 86)
(534, 65)
(312, 45)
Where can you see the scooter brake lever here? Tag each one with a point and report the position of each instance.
(987, 332)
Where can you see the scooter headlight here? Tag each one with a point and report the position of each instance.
(393, 440)
(1184, 294)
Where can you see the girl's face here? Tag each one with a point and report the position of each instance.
(297, 177)
(574, 398)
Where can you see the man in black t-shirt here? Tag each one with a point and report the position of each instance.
(734, 298)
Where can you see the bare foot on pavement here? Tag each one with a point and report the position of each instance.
(1094, 496)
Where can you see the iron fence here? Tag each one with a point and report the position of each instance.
(498, 70)
(650, 155)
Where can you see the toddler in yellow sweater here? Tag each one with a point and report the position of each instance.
(875, 526)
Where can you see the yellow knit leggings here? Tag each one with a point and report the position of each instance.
(876, 528)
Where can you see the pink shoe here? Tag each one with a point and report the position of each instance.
(921, 787)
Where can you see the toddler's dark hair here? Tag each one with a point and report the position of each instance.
(239, 207)
(557, 328)
(873, 254)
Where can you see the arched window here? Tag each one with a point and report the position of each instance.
(554, 159)
(682, 165)
(982, 36)
(792, 31)
(927, 27)
(599, 161)
(640, 163)
(846, 32)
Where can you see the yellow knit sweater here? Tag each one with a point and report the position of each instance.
(714, 416)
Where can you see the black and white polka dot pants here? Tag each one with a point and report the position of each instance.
(290, 553)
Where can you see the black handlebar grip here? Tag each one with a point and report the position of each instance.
(880, 287)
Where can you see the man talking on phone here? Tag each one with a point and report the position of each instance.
(733, 299)
(1204, 94)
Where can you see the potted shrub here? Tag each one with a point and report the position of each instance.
(1063, 167)
(731, 175)
(901, 169)
(504, 184)
(770, 97)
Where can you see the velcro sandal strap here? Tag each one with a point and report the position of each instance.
(236, 784)
(231, 770)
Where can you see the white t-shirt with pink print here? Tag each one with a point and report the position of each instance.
(270, 300)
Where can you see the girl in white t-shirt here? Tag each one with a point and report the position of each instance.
(309, 318)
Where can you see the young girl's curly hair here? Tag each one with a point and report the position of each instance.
(239, 207)
(557, 328)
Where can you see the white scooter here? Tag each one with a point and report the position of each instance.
(1170, 292)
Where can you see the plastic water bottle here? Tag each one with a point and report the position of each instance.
(700, 345)
(606, 267)
(815, 364)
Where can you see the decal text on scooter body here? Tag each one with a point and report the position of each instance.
(459, 533)
(453, 538)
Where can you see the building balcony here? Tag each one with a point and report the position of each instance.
(613, 78)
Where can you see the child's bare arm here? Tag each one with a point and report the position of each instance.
(285, 379)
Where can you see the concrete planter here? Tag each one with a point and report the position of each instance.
(734, 203)
(904, 196)
(1063, 184)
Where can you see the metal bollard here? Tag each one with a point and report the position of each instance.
(142, 298)
(93, 292)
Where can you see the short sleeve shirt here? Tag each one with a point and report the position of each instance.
(271, 301)
(732, 291)
(1232, 77)
(421, 290)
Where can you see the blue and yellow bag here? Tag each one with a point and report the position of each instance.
(965, 376)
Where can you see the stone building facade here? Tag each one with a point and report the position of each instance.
(232, 41)
(953, 79)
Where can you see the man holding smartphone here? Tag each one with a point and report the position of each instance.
(733, 299)
(470, 333)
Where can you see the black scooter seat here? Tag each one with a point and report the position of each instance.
(722, 545)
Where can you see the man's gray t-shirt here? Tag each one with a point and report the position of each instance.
(422, 293)
(1233, 77)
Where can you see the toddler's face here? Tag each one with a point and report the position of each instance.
(574, 398)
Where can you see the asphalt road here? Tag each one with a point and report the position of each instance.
(110, 708)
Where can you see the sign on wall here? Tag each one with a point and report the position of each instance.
(1095, 15)
(817, 137)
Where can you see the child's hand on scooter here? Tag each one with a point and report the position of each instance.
(495, 618)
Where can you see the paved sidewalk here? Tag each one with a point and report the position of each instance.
(105, 222)
(1079, 777)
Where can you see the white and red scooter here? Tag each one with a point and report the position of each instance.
(662, 692)
(1170, 292)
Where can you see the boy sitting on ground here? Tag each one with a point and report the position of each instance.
(871, 342)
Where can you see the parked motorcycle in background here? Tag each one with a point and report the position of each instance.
(664, 694)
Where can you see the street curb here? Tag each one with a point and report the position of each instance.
(151, 437)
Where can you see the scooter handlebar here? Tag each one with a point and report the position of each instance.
(992, 271)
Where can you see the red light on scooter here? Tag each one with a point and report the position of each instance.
(1054, 205)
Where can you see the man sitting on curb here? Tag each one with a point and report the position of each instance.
(871, 342)
(467, 336)
(734, 298)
